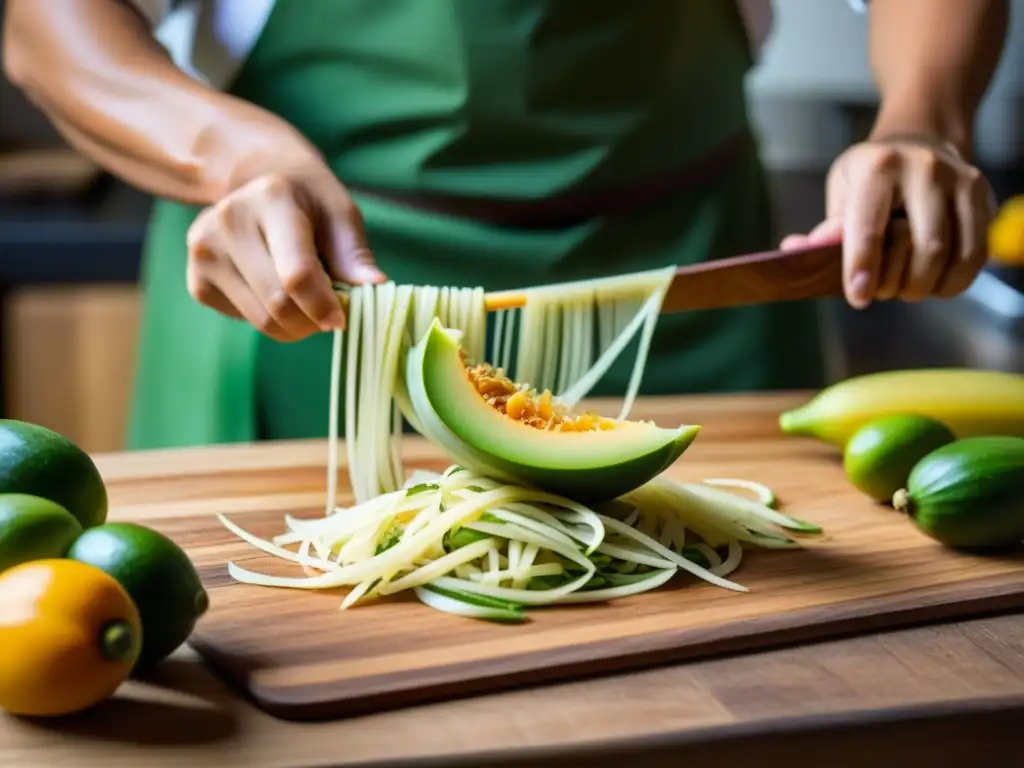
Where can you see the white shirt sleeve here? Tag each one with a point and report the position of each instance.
(154, 11)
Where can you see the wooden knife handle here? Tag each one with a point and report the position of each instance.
(759, 278)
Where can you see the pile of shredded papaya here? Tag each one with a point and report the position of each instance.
(521, 403)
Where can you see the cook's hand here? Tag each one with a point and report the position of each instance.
(936, 250)
(254, 255)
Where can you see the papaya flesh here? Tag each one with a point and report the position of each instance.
(498, 428)
(969, 494)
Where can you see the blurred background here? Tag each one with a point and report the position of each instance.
(71, 237)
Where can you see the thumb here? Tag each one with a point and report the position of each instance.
(347, 254)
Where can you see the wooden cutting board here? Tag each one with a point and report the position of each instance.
(297, 656)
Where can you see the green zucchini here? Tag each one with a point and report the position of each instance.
(968, 494)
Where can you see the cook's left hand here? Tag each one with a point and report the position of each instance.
(936, 250)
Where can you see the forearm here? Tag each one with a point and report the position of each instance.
(95, 69)
(933, 61)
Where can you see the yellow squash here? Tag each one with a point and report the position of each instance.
(969, 401)
(70, 636)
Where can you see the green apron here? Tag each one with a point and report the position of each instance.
(494, 99)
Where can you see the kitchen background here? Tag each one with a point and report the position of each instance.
(70, 237)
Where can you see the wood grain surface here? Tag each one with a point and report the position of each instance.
(300, 657)
(940, 695)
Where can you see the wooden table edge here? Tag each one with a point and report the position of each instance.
(947, 732)
(763, 637)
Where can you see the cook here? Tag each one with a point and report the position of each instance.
(498, 143)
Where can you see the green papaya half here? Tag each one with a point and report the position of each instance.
(494, 427)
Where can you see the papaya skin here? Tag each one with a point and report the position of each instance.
(967, 494)
(589, 467)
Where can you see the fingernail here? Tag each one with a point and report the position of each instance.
(366, 271)
(370, 274)
(859, 286)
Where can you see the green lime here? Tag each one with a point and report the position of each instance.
(158, 576)
(879, 456)
(32, 528)
(40, 462)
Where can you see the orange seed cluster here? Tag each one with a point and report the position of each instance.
(520, 403)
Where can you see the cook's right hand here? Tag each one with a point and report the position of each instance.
(254, 254)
